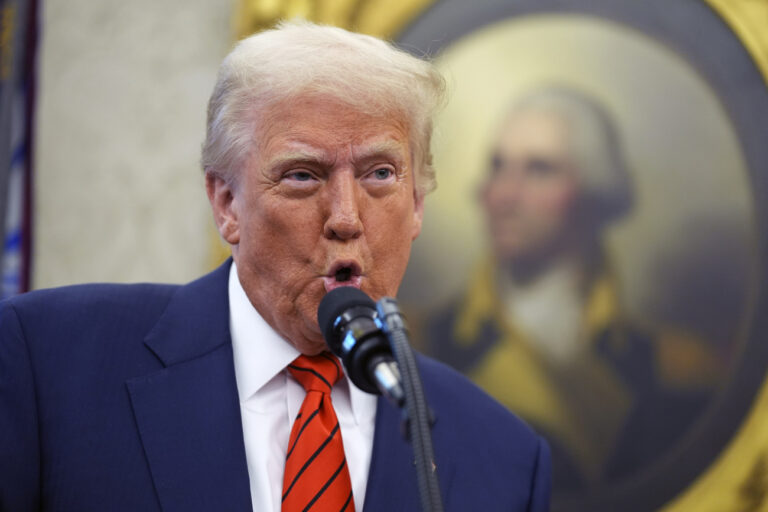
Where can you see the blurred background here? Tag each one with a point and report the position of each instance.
(594, 255)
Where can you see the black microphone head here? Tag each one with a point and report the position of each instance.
(334, 304)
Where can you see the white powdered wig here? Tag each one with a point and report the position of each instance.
(595, 145)
(301, 58)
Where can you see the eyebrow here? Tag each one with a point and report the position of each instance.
(299, 156)
(369, 152)
(379, 148)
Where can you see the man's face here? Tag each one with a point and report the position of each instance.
(328, 200)
(531, 192)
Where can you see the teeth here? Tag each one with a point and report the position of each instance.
(343, 274)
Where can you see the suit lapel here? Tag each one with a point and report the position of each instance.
(188, 415)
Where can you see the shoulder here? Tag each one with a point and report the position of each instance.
(94, 293)
(452, 392)
(490, 447)
(84, 315)
(78, 322)
(73, 303)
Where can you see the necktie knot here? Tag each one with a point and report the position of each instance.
(316, 373)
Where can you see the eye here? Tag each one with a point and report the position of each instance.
(542, 166)
(382, 173)
(299, 176)
(496, 164)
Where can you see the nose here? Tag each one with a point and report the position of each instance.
(505, 189)
(343, 220)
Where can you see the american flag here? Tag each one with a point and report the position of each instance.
(18, 51)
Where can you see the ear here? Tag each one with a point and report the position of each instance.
(221, 195)
(418, 214)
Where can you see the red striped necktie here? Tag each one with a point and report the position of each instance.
(316, 476)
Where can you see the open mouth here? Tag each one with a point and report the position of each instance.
(343, 273)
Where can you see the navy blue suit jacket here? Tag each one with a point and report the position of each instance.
(123, 397)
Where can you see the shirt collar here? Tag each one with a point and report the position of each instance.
(260, 352)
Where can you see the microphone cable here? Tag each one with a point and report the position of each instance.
(417, 410)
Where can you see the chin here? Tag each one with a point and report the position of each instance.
(310, 344)
(311, 349)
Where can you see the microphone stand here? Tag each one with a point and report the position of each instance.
(417, 412)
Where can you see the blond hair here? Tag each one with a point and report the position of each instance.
(301, 58)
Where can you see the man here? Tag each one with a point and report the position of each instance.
(152, 397)
(541, 326)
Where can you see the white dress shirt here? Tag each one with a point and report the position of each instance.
(270, 399)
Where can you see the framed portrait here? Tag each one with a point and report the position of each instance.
(632, 340)
(595, 253)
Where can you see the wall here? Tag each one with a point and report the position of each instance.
(123, 88)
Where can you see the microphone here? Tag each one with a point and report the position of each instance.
(363, 334)
(350, 326)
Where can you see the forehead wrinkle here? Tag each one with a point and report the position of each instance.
(386, 148)
(304, 154)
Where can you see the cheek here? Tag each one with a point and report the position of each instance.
(277, 244)
(554, 203)
(389, 231)
(493, 196)
(282, 226)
